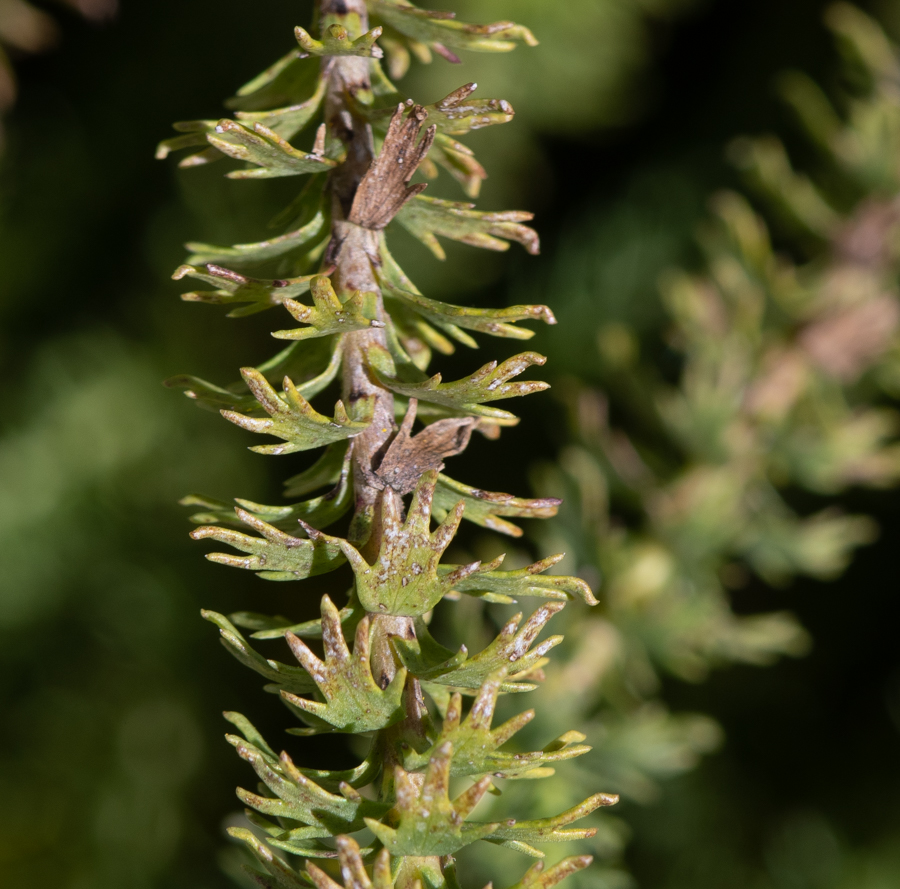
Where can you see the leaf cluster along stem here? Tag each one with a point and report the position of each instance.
(379, 660)
(355, 256)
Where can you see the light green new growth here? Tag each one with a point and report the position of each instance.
(328, 112)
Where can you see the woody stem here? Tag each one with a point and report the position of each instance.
(354, 252)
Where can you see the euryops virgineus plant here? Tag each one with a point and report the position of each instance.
(365, 327)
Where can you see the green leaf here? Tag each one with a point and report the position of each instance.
(291, 361)
(252, 295)
(194, 135)
(278, 874)
(299, 798)
(497, 322)
(286, 122)
(477, 745)
(520, 835)
(320, 512)
(275, 555)
(425, 821)
(336, 41)
(425, 218)
(459, 161)
(282, 676)
(234, 289)
(441, 31)
(403, 579)
(290, 80)
(249, 731)
(537, 878)
(353, 870)
(307, 848)
(273, 155)
(262, 251)
(458, 114)
(293, 418)
(329, 315)
(362, 775)
(312, 366)
(525, 582)
(327, 470)
(212, 397)
(354, 702)
(485, 508)
(468, 395)
(274, 627)
(511, 650)
(415, 336)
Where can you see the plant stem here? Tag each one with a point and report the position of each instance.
(354, 252)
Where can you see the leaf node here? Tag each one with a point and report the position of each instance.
(424, 821)
(404, 579)
(336, 41)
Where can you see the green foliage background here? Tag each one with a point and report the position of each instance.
(111, 770)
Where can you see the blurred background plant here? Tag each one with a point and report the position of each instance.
(708, 459)
(25, 29)
(705, 437)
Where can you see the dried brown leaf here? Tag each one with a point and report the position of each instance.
(385, 188)
(409, 456)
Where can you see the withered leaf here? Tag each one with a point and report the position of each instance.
(409, 456)
(385, 188)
